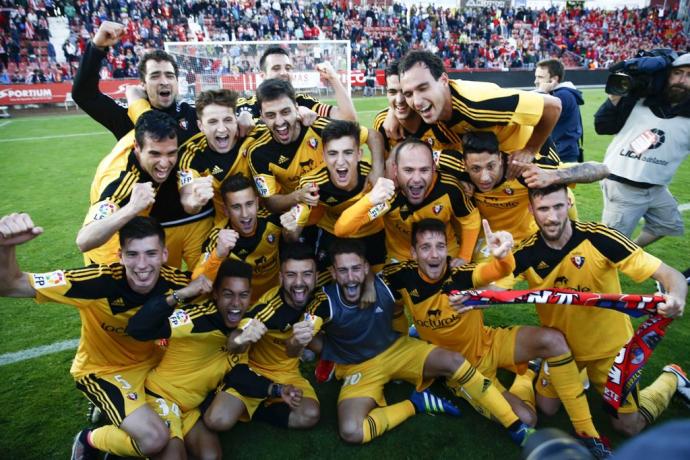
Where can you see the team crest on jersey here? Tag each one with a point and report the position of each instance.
(184, 177)
(508, 191)
(313, 143)
(437, 209)
(578, 261)
(270, 238)
(183, 123)
(436, 156)
(261, 186)
(179, 318)
(48, 280)
(430, 141)
(104, 210)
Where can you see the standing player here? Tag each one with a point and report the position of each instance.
(279, 310)
(284, 149)
(521, 120)
(423, 193)
(250, 233)
(211, 156)
(110, 367)
(587, 257)
(275, 62)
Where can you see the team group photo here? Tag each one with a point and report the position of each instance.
(327, 229)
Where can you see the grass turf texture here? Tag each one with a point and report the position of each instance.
(47, 173)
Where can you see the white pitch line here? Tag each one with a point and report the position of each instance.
(684, 207)
(30, 353)
(5, 123)
(39, 138)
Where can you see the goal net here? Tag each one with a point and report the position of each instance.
(235, 65)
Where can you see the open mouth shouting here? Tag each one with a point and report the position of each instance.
(233, 316)
(352, 291)
(299, 294)
(222, 142)
(416, 192)
(283, 133)
(247, 225)
(342, 175)
(165, 96)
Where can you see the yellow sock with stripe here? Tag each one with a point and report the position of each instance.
(655, 398)
(523, 388)
(566, 380)
(110, 438)
(385, 418)
(482, 392)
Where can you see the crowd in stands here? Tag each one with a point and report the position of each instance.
(471, 38)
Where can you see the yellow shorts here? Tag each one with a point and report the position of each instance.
(597, 372)
(184, 242)
(284, 378)
(179, 423)
(500, 355)
(116, 394)
(403, 360)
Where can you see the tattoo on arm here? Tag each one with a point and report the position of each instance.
(582, 173)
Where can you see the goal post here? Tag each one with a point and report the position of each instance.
(235, 65)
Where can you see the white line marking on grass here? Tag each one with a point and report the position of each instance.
(62, 136)
(5, 123)
(31, 353)
(684, 207)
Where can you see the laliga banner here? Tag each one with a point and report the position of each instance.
(55, 93)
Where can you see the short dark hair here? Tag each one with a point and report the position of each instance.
(392, 69)
(158, 56)
(232, 268)
(274, 88)
(408, 143)
(480, 142)
(427, 58)
(223, 97)
(155, 124)
(141, 227)
(555, 68)
(427, 225)
(537, 192)
(336, 129)
(235, 183)
(271, 50)
(347, 246)
(297, 251)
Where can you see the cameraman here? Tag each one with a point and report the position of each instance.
(652, 139)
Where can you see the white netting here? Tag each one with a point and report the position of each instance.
(235, 65)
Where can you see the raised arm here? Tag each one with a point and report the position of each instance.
(345, 109)
(15, 229)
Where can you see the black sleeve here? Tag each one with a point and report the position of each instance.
(90, 99)
(151, 321)
(247, 382)
(610, 118)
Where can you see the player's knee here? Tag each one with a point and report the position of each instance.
(309, 416)
(217, 420)
(351, 432)
(552, 343)
(548, 406)
(154, 440)
(210, 453)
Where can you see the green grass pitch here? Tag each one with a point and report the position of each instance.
(46, 167)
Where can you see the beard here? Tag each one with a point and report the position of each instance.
(676, 93)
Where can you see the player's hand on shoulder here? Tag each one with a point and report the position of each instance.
(392, 127)
(467, 188)
(226, 241)
(108, 34)
(383, 190)
(288, 219)
(135, 93)
(17, 228)
(457, 262)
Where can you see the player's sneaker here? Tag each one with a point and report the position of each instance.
(686, 274)
(598, 447)
(520, 433)
(683, 388)
(81, 450)
(428, 403)
(94, 415)
(412, 332)
(324, 371)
